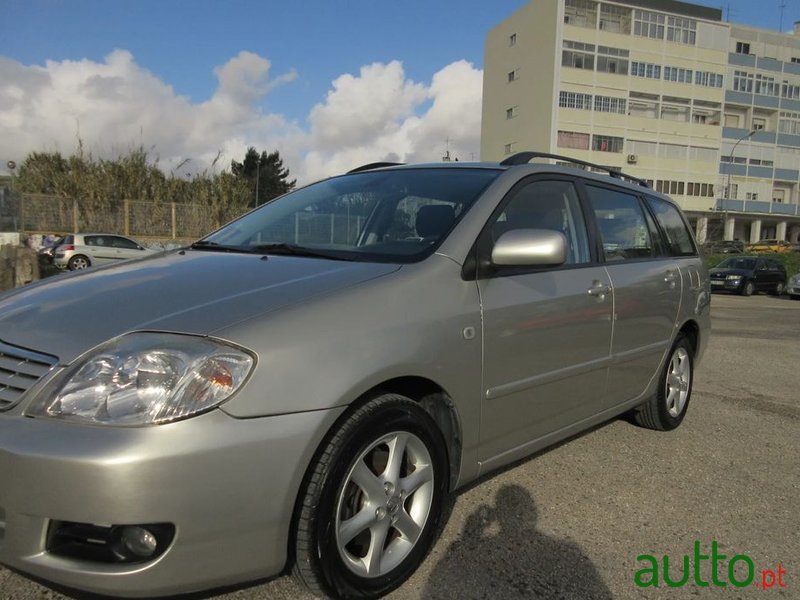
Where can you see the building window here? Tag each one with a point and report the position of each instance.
(700, 189)
(671, 112)
(512, 112)
(742, 48)
(743, 82)
(751, 196)
(734, 191)
(670, 186)
(575, 100)
(573, 139)
(642, 148)
(731, 120)
(611, 64)
(512, 39)
(708, 79)
(766, 85)
(509, 148)
(612, 60)
(681, 30)
(790, 91)
(609, 104)
(678, 74)
(578, 55)
(737, 160)
(702, 154)
(759, 124)
(581, 13)
(607, 143)
(778, 195)
(674, 151)
(513, 75)
(616, 19)
(648, 24)
(789, 122)
(648, 70)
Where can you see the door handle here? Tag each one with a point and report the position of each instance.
(599, 289)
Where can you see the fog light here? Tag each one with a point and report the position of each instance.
(133, 542)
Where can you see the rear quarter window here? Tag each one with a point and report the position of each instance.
(678, 235)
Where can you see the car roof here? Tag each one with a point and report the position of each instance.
(520, 162)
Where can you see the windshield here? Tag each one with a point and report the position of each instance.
(387, 216)
(747, 264)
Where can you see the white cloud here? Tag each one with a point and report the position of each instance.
(378, 114)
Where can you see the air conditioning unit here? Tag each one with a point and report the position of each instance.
(632, 159)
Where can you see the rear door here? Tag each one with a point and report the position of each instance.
(547, 331)
(100, 248)
(647, 288)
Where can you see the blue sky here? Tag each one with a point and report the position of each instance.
(181, 41)
(303, 48)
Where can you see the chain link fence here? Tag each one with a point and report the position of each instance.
(42, 214)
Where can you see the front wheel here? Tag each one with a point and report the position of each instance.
(778, 289)
(666, 410)
(748, 288)
(371, 503)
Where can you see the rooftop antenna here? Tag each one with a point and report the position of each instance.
(446, 157)
(727, 9)
(783, 7)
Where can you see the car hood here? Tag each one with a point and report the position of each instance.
(195, 292)
(721, 272)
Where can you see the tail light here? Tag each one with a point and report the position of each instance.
(67, 248)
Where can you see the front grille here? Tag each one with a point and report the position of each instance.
(20, 369)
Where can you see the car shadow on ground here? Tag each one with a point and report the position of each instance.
(501, 547)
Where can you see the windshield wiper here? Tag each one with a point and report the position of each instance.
(295, 250)
(217, 247)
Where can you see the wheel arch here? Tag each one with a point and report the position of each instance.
(80, 255)
(436, 402)
(691, 330)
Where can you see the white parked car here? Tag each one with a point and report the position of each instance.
(83, 250)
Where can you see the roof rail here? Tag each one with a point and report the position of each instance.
(523, 158)
(375, 165)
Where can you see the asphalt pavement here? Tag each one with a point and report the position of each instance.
(572, 521)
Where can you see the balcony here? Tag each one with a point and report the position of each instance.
(756, 206)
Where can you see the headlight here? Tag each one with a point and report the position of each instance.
(795, 280)
(733, 277)
(146, 379)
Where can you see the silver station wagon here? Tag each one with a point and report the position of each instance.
(304, 387)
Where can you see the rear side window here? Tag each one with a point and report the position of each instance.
(621, 224)
(678, 235)
(121, 242)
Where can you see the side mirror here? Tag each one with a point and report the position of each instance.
(530, 247)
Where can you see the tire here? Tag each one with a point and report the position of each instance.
(362, 527)
(666, 410)
(778, 289)
(748, 288)
(77, 262)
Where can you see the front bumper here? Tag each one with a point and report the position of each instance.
(724, 285)
(228, 485)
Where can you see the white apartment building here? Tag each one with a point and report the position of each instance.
(706, 111)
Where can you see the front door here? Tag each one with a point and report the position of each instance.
(546, 331)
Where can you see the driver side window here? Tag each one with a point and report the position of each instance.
(550, 205)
